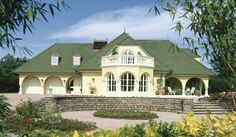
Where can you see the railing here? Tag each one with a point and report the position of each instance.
(115, 60)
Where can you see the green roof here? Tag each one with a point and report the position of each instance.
(190, 53)
(175, 59)
(42, 62)
(168, 59)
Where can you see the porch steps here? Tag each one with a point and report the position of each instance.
(204, 107)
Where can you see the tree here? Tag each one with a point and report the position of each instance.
(17, 15)
(9, 81)
(214, 27)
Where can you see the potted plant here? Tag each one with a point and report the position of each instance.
(92, 89)
(160, 89)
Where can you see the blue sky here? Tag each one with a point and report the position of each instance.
(100, 19)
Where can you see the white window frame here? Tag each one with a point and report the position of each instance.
(143, 83)
(127, 57)
(127, 82)
(111, 82)
(76, 60)
(54, 60)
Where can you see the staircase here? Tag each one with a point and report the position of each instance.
(203, 107)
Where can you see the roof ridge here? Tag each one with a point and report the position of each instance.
(130, 38)
(105, 47)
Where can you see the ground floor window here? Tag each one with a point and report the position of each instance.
(127, 82)
(143, 83)
(111, 83)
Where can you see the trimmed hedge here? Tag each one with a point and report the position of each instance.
(125, 114)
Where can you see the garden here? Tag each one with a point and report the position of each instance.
(27, 121)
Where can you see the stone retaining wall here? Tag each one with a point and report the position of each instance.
(85, 103)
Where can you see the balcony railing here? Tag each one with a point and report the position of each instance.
(115, 60)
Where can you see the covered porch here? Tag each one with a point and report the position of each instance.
(186, 86)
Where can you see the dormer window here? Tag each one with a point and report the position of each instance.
(55, 59)
(76, 59)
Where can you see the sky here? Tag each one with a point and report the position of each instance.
(87, 20)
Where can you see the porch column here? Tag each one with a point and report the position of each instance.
(183, 82)
(21, 89)
(64, 82)
(21, 84)
(206, 83)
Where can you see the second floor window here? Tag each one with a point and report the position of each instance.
(128, 57)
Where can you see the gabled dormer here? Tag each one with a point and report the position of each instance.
(76, 59)
(55, 59)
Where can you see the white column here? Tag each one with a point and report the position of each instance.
(21, 82)
(183, 82)
(20, 89)
(206, 83)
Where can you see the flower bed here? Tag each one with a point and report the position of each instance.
(189, 126)
(15, 124)
(27, 118)
(125, 114)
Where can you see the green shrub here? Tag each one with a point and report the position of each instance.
(14, 124)
(42, 133)
(190, 126)
(4, 107)
(125, 114)
(27, 110)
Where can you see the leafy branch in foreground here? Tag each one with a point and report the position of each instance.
(19, 15)
(213, 24)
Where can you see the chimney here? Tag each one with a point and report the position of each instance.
(99, 44)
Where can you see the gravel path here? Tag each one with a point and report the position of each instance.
(106, 123)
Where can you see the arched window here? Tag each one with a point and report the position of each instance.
(143, 83)
(111, 83)
(127, 82)
(127, 57)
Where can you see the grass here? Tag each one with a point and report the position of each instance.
(125, 114)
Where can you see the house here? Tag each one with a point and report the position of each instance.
(123, 67)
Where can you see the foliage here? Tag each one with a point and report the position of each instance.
(4, 112)
(218, 84)
(4, 107)
(17, 15)
(125, 114)
(213, 23)
(190, 126)
(3, 135)
(14, 124)
(9, 81)
(42, 133)
(27, 110)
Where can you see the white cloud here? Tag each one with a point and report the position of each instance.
(109, 24)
